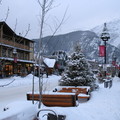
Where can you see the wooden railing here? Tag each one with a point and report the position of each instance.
(8, 40)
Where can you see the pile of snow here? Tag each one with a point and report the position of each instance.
(28, 80)
(17, 81)
(19, 110)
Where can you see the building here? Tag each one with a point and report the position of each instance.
(49, 65)
(94, 66)
(61, 58)
(16, 52)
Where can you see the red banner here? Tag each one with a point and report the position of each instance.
(15, 59)
(113, 63)
(102, 51)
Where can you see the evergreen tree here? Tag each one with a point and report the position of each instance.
(78, 71)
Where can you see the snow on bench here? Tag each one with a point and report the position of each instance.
(66, 87)
(83, 96)
(74, 90)
(81, 90)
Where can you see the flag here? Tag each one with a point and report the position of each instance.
(102, 51)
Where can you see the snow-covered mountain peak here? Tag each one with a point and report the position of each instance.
(114, 30)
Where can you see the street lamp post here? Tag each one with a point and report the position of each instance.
(105, 36)
(114, 58)
(15, 60)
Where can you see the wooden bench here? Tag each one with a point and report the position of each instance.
(84, 92)
(61, 100)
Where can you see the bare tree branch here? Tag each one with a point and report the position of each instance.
(7, 83)
(15, 25)
(56, 29)
(0, 1)
(39, 3)
(43, 13)
(48, 6)
(27, 31)
(8, 10)
(49, 27)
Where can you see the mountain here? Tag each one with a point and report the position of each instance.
(89, 41)
(114, 30)
(66, 42)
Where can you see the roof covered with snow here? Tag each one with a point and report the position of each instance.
(49, 62)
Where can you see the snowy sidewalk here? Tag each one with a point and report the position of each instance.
(18, 89)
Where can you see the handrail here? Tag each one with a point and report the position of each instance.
(4, 41)
(46, 110)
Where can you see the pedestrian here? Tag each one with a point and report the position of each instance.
(47, 73)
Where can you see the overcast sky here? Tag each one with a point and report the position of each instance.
(81, 15)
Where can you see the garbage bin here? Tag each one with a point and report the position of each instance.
(54, 117)
(106, 84)
(110, 83)
(61, 117)
(51, 117)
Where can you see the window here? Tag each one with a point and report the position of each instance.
(20, 55)
(26, 56)
(10, 52)
(4, 52)
(8, 70)
(27, 43)
(31, 44)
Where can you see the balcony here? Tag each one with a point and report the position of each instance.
(8, 41)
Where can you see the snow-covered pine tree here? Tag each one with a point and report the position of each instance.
(78, 72)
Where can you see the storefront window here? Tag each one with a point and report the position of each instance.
(8, 70)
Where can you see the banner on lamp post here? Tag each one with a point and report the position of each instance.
(15, 59)
(102, 50)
